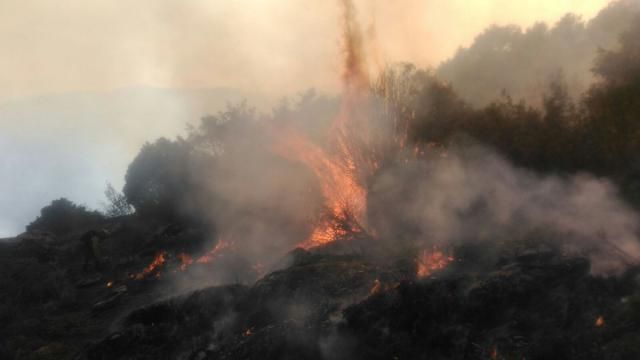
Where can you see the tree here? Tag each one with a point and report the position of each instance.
(117, 204)
(63, 216)
(158, 179)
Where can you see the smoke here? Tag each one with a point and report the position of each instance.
(471, 194)
(355, 74)
(274, 177)
(522, 62)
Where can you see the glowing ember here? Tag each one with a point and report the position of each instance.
(430, 261)
(599, 321)
(377, 287)
(217, 251)
(157, 262)
(259, 269)
(185, 261)
(494, 353)
(248, 332)
(110, 284)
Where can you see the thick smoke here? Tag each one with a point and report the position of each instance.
(473, 195)
(265, 201)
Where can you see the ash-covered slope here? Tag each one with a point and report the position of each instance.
(352, 299)
(536, 304)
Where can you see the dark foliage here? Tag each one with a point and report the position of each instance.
(158, 179)
(520, 61)
(117, 203)
(63, 216)
(599, 135)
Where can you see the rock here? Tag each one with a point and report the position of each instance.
(107, 303)
(89, 281)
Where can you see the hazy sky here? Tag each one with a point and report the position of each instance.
(283, 45)
(67, 127)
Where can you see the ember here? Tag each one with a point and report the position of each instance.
(599, 321)
(377, 287)
(110, 284)
(259, 268)
(430, 261)
(185, 261)
(152, 268)
(217, 251)
(494, 353)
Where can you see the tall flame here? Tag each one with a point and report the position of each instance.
(340, 168)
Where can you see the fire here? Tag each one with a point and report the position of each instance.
(109, 284)
(345, 197)
(248, 332)
(259, 269)
(185, 261)
(157, 262)
(430, 261)
(599, 321)
(377, 287)
(340, 166)
(494, 353)
(217, 251)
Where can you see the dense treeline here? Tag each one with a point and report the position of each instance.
(599, 134)
(224, 165)
(520, 62)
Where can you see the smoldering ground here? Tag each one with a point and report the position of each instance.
(470, 193)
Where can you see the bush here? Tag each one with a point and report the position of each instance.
(158, 179)
(62, 216)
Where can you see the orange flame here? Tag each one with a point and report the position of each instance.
(216, 252)
(185, 261)
(599, 321)
(157, 262)
(110, 284)
(430, 261)
(339, 170)
(377, 287)
(345, 197)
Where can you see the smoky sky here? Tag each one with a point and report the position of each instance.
(275, 46)
(84, 84)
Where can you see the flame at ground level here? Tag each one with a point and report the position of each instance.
(432, 260)
(345, 198)
(157, 262)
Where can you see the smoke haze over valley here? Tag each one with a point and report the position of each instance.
(320, 180)
(78, 98)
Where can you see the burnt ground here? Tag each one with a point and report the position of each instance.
(533, 303)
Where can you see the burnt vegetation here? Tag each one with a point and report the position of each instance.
(207, 253)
